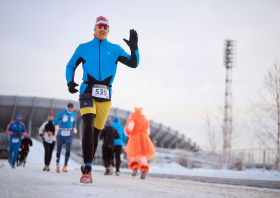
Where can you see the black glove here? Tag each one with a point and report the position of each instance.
(17, 134)
(133, 40)
(71, 87)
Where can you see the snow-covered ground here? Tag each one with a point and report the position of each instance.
(31, 182)
(36, 157)
(174, 168)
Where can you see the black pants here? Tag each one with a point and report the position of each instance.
(117, 153)
(22, 155)
(107, 156)
(90, 137)
(48, 152)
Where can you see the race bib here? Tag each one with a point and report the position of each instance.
(48, 141)
(15, 140)
(65, 133)
(100, 92)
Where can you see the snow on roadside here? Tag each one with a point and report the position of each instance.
(36, 157)
(175, 168)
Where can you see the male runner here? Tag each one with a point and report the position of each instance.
(66, 119)
(16, 129)
(100, 59)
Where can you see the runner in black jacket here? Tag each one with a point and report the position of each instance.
(108, 134)
(26, 142)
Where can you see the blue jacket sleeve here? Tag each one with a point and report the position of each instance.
(9, 129)
(75, 123)
(75, 60)
(124, 136)
(57, 119)
(129, 60)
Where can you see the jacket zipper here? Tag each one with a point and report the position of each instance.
(99, 61)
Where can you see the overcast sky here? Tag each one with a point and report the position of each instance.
(181, 45)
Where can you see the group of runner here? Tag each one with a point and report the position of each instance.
(59, 131)
(113, 138)
(99, 58)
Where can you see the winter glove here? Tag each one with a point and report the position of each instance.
(17, 134)
(75, 131)
(133, 40)
(71, 87)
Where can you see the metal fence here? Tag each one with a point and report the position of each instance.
(237, 159)
(255, 158)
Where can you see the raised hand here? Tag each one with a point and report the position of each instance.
(133, 40)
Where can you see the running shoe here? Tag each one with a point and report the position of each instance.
(13, 167)
(64, 168)
(86, 177)
(45, 168)
(117, 173)
(83, 168)
(111, 169)
(143, 176)
(57, 168)
(107, 172)
(134, 172)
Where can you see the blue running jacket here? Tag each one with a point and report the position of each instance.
(65, 121)
(99, 59)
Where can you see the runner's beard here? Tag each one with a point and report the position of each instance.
(101, 34)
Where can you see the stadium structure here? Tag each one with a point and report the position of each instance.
(34, 111)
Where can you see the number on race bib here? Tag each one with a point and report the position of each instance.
(65, 133)
(100, 93)
(15, 140)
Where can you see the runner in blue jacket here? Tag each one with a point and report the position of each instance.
(118, 143)
(16, 129)
(66, 119)
(99, 58)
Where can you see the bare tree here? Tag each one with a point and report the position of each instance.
(210, 133)
(266, 111)
(215, 137)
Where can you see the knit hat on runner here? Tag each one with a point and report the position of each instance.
(102, 19)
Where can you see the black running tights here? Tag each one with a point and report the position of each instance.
(90, 137)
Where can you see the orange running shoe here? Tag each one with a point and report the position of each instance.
(64, 168)
(57, 168)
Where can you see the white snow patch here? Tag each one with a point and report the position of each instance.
(37, 153)
(175, 168)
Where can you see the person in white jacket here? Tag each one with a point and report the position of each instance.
(47, 133)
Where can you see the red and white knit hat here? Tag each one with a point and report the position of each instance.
(102, 20)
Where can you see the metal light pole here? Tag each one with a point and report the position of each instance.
(227, 128)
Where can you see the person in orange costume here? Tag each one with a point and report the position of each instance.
(139, 148)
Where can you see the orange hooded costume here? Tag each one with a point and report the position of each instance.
(139, 148)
